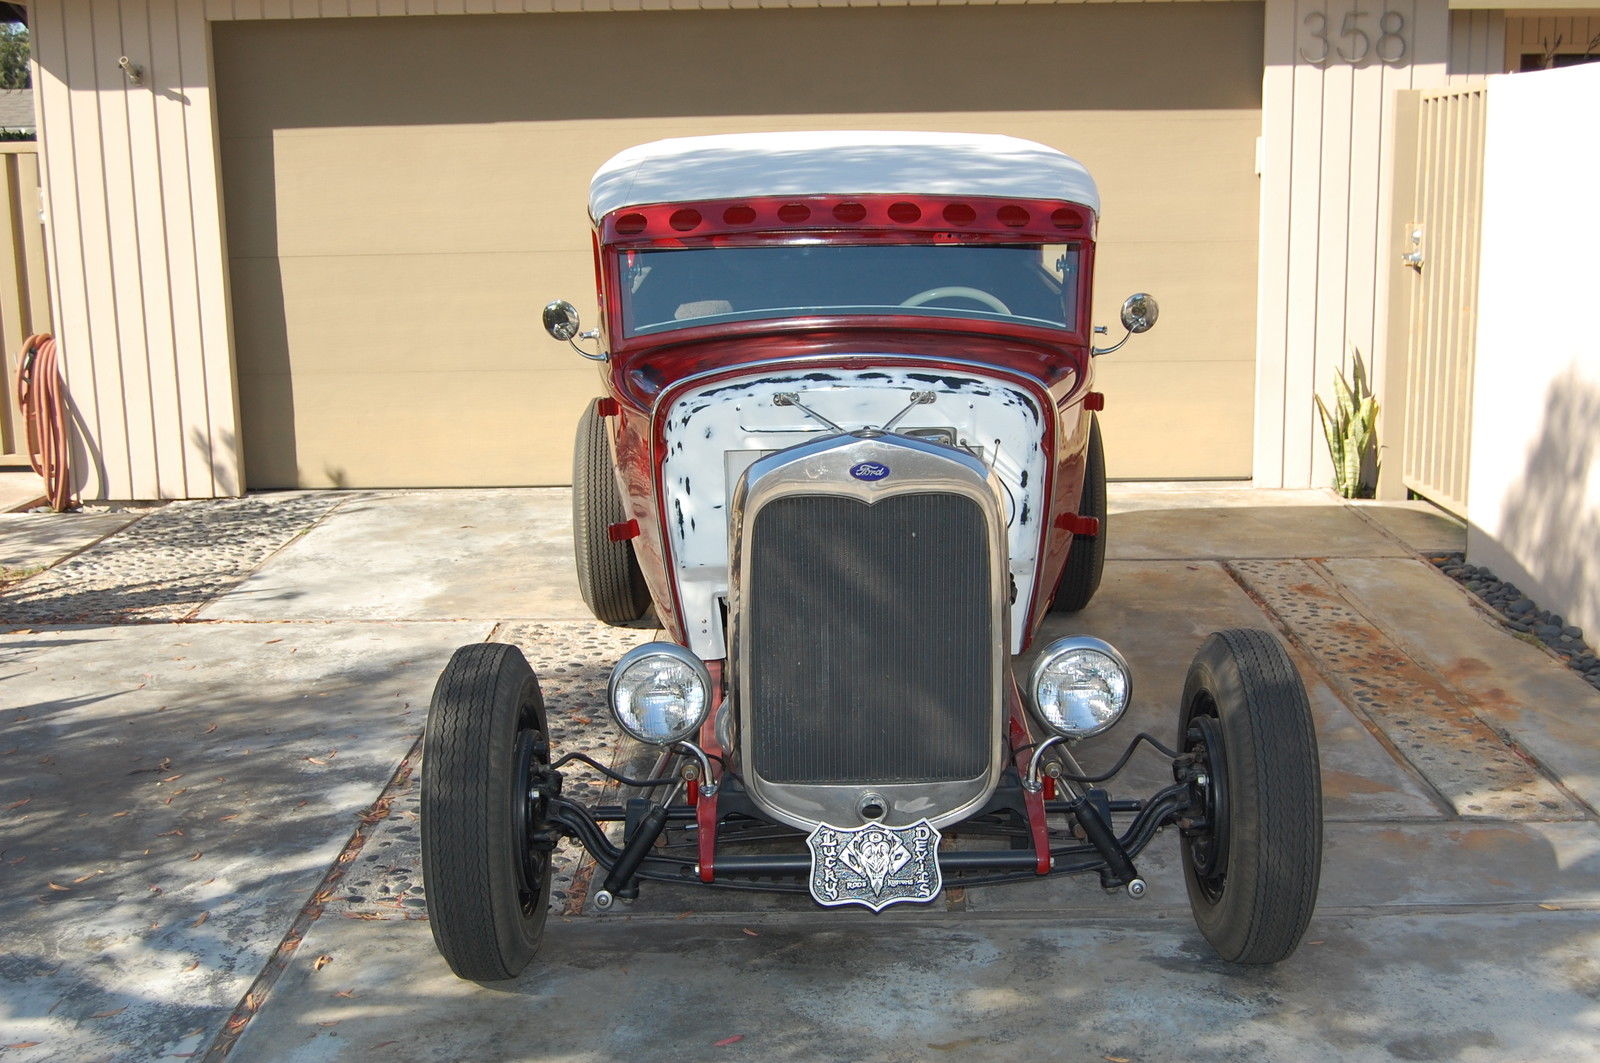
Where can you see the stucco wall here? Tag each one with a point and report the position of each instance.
(1534, 494)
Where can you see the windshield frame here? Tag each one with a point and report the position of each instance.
(986, 223)
(1069, 285)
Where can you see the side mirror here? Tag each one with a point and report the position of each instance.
(561, 320)
(1139, 313)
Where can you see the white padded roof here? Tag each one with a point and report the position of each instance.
(737, 165)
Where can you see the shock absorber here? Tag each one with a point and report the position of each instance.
(620, 881)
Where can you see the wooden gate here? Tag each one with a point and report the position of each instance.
(1439, 196)
(24, 290)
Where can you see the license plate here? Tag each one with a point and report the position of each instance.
(875, 865)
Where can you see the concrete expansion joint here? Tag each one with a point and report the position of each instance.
(1364, 514)
(367, 824)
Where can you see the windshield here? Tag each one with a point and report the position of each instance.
(675, 288)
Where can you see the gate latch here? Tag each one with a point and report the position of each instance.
(1413, 257)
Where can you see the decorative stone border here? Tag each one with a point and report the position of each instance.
(1522, 614)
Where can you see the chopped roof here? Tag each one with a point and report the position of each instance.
(733, 166)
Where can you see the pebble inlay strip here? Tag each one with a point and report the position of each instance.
(166, 565)
(572, 660)
(1462, 757)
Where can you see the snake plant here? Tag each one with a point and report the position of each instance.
(1351, 431)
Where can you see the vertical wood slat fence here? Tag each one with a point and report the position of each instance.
(1447, 208)
(24, 289)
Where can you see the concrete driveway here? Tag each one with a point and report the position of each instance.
(208, 844)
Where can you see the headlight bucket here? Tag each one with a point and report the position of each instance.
(1079, 686)
(659, 693)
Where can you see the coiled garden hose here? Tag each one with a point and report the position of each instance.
(39, 397)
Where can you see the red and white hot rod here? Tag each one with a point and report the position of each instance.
(847, 451)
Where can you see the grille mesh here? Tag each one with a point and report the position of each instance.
(870, 640)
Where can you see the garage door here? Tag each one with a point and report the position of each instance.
(404, 194)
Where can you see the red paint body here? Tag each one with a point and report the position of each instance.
(644, 373)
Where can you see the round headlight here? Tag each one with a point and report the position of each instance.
(1080, 686)
(660, 693)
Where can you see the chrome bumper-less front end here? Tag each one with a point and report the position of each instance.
(868, 612)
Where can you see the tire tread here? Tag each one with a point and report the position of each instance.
(608, 572)
(1273, 740)
(461, 828)
(1086, 560)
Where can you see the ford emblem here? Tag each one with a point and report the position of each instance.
(869, 470)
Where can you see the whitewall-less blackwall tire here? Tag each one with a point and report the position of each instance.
(1252, 875)
(487, 891)
(608, 572)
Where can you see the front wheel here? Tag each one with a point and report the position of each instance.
(486, 881)
(608, 571)
(1253, 857)
(1086, 559)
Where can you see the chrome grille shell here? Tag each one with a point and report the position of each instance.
(912, 775)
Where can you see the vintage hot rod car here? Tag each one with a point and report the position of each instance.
(847, 450)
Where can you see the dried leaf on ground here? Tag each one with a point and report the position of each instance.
(18, 804)
(109, 1014)
(63, 889)
(752, 933)
(203, 917)
(726, 1041)
(321, 961)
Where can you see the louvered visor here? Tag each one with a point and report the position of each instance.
(869, 619)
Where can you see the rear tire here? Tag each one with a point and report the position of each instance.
(1253, 872)
(1080, 577)
(487, 890)
(609, 578)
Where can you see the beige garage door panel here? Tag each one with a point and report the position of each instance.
(1158, 413)
(405, 313)
(483, 428)
(400, 209)
(402, 191)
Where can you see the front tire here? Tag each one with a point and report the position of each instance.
(1252, 871)
(487, 889)
(608, 572)
(1080, 576)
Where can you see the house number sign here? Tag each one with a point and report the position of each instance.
(1356, 37)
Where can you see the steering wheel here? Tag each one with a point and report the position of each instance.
(957, 291)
